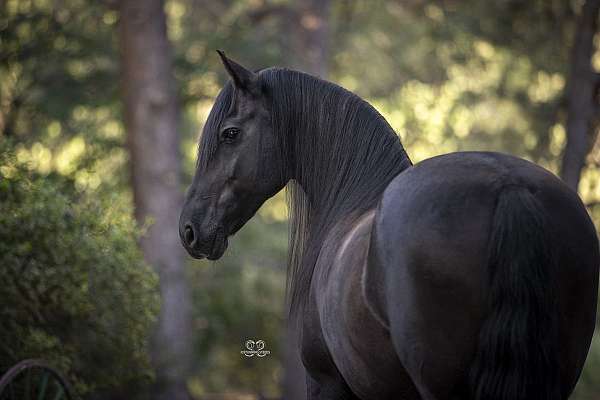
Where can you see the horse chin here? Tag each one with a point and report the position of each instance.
(219, 246)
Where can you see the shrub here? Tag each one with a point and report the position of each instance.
(73, 285)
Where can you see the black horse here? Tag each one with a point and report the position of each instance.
(467, 276)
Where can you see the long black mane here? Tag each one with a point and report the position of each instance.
(338, 150)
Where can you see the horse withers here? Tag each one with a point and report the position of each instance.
(470, 275)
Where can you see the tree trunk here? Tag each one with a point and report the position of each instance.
(310, 37)
(151, 121)
(581, 96)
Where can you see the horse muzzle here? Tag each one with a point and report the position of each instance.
(200, 243)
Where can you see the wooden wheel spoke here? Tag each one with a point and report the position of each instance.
(43, 385)
(60, 391)
(28, 383)
(12, 392)
(33, 379)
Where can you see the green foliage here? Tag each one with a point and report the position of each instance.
(464, 75)
(56, 58)
(59, 86)
(74, 288)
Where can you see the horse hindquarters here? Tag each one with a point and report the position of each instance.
(459, 251)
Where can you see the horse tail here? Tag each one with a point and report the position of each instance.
(517, 354)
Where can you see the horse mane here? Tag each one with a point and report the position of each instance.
(339, 152)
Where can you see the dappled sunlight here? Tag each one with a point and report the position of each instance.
(38, 157)
(66, 160)
(589, 188)
(545, 87)
(558, 139)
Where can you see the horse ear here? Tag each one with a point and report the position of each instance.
(242, 78)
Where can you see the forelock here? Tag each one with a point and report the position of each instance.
(209, 139)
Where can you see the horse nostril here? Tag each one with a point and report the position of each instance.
(188, 235)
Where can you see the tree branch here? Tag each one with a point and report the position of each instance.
(269, 10)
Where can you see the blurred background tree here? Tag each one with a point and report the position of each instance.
(515, 76)
(151, 121)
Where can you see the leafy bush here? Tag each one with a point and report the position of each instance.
(73, 285)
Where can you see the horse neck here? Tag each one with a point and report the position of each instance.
(342, 155)
(345, 154)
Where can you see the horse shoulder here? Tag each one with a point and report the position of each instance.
(359, 345)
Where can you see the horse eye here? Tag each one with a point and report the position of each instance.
(230, 134)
